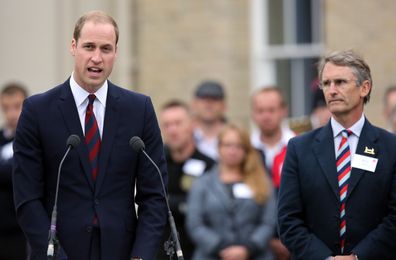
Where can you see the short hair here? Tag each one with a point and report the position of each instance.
(12, 88)
(350, 59)
(388, 91)
(176, 103)
(96, 17)
(267, 89)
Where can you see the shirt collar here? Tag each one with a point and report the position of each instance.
(80, 94)
(355, 128)
(287, 134)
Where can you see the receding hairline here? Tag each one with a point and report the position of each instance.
(270, 89)
(96, 17)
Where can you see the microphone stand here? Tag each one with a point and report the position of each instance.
(174, 239)
(53, 243)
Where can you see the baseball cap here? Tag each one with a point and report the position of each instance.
(210, 89)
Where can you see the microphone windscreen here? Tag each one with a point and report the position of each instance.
(73, 141)
(136, 143)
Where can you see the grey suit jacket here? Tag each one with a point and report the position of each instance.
(216, 220)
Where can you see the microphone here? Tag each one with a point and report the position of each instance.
(138, 146)
(72, 142)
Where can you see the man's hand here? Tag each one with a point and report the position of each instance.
(234, 253)
(279, 250)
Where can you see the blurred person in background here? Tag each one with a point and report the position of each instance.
(269, 109)
(12, 240)
(209, 109)
(319, 115)
(185, 163)
(231, 209)
(390, 108)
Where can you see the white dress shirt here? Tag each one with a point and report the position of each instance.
(81, 98)
(271, 152)
(353, 138)
(207, 146)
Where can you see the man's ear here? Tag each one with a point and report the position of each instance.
(365, 88)
(73, 47)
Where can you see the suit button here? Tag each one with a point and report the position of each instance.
(89, 229)
(96, 201)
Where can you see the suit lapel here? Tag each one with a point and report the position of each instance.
(68, 109)
(109, 132)
(368, 138)
(325, 154)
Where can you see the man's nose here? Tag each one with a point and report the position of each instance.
(96, 56)
(332, 88)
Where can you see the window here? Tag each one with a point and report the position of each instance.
(286, 40)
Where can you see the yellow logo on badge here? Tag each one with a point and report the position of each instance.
(369, 150)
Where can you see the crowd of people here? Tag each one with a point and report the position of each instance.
(271, 193)
(212, 217)
(216, 223)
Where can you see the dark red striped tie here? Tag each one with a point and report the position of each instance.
(343, 163)
(92, 136)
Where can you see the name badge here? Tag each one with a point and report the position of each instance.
(364, 162)
(7, 151)
(194, 167)
(242, 191)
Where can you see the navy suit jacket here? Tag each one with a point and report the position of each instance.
(309, 206)
(47, 120)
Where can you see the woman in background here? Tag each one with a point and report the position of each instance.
(231, 210)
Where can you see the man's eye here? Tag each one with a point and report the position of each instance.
(339, 82)
(107, 49)
(326, 83)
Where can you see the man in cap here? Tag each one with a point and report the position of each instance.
(209, 111)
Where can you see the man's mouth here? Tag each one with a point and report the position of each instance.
(95, 70)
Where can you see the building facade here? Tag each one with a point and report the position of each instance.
(167, 47)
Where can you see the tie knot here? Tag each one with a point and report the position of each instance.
(91, 98)
(346, 133)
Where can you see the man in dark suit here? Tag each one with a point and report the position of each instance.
(96, 206)
(338, 190)
(12, 240)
